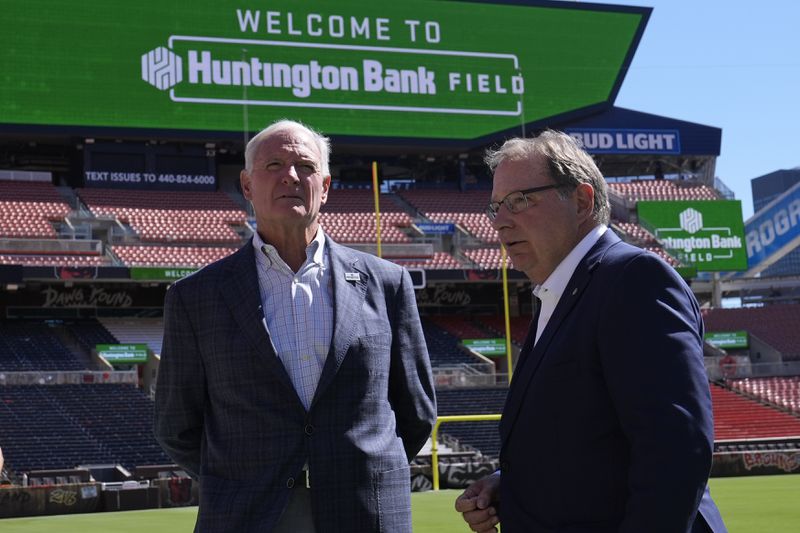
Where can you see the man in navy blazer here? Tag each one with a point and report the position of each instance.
(607, 426)
(294, 380)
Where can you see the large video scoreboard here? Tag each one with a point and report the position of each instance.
(414, 69)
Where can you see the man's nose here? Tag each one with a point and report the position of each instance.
(502, 219)
(290, 176)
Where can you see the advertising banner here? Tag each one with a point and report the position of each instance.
(458, 295)
(160, 273)
(149, 180)
(774, 231)
(54, 296)
(73, 498)
(628, 141)
(425, 69)
(487, 347)
(436, 228)
(707, 234)
(118, 354)
(756, 463)
(727, 339)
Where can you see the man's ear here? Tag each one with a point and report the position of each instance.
(326, 186)
(244, 181)
(584, 195)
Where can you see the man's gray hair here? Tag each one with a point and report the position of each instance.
(323, 143)
(568, 162)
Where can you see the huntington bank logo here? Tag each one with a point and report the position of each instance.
(161, 68)
(691, 220)
(692, 242)
(216, 70)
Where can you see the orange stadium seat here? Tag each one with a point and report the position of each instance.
(781, 391)
(461, 327)
(738, 417)
(170, 216)
(27, 208)
(54, 260)
(489, 258)
(661, 190)
(349, 217)
(463, 208)
(636, 234)
(178, 256)
(440, 260)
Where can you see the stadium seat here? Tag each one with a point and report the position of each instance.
(170, 216)
(28, 208)
(467, 209)
(634, 191)
(68, 425)
(737, 417)
(33, 346)
(481, 436)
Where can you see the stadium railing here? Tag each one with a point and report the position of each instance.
(65, 377)
(467, 376)
(741, 367)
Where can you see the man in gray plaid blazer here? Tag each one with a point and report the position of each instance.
(294, 379)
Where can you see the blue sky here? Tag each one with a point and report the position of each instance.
(732, 65)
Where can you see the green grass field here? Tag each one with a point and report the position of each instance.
(749, 505)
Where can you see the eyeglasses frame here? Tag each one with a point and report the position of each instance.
(491, 211)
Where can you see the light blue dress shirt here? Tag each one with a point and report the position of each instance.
(298, 311)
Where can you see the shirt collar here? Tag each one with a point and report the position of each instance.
(315, 251)
(555, 284)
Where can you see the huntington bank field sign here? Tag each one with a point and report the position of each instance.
(118, 354)
(427, 69)
(706, 234)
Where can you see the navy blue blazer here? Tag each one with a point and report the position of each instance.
(608, 426)
(227, 412)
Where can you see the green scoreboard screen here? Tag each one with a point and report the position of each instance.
(424, 69)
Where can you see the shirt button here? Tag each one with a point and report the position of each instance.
(290, 483)
(309, 429)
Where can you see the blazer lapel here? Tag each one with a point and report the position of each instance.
(241, 293)
(572, 294)
(349, 284)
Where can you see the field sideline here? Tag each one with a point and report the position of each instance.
(748, 504)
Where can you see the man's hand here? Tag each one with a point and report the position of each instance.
(475, 504)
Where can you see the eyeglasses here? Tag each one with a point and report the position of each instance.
(517, 201)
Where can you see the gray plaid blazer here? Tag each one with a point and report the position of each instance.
(227, 412)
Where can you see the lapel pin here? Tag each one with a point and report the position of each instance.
(352, 276)
(575, 291)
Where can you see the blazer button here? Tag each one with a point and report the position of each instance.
(290, 483)
(309, 429)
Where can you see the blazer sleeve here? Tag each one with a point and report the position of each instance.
(651, 343)
(411, 391)
(181, 387)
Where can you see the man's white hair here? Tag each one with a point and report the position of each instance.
(323, 143)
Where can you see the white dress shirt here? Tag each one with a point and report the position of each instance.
(553, 287)
(298, 311)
